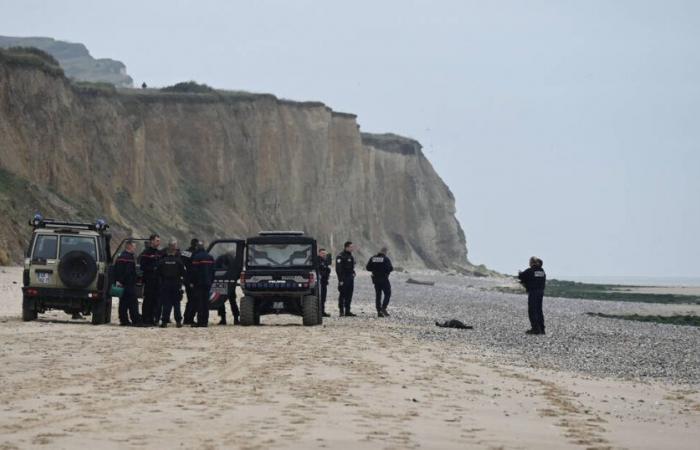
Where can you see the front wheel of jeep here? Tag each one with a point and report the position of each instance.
(28, 309)
(249, 313)
(311, 310)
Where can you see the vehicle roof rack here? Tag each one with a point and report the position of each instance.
(281, 233)
(40, 222)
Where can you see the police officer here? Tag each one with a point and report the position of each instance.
(148, 260)
(380, 266)
(225, 261)
(125, 276)
(345, 270)
(191, 305)
(324, 270)
(534, 280)
(171, 271)
(201, 281)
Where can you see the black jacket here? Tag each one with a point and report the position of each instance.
(533, 279)
(187, 261)
(324, 270)
(202, 270)
(345, 265)
(171, 269)
(125, 269)
(148, 260)
(380, 266)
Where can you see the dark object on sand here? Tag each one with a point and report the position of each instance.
(454, 323)
(424, 283)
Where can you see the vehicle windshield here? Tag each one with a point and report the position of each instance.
(279, 255)
(45, 247)
(78, 243)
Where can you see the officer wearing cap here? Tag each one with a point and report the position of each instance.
(534, 279)
(171, 272)
(148, 261)
(380, 266)
(345, 270)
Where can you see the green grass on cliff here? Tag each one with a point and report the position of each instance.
(31, 57)
(610, 292)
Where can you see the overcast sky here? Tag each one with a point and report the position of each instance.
(566, 129)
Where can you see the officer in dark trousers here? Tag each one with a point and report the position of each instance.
(380, 266)
(324, 270)
(224, 262)
(148, 260)
(201, 281)
(345, 270)
(191, 305)
(534, 280)
(171, 271)
(125, 276)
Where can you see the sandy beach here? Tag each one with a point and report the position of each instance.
(352, 383)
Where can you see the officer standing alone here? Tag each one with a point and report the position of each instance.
(534, 280)
(171, 271)
(125, 276)
(345, 269)
(148, 260)
(324, 270)
(380, 266)
(201, 281)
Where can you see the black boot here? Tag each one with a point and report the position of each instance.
(350, 314)
(380, 313)
(385, 312)
(236, 320)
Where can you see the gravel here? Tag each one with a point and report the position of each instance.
(575, 341)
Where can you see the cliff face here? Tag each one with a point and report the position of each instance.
(75, 59)
(215, 165)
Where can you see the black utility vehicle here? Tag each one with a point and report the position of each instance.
(280, 277)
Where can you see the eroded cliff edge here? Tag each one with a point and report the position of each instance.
(214, 165)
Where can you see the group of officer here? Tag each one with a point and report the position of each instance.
(164, 274)
(166, 271)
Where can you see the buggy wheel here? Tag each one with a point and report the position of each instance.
(311, 309)
(249, 312)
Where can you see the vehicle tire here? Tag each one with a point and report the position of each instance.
(311, 310)
(28, 309)
(249, 312)
(77, 269)
(99, 311)
(108, 310)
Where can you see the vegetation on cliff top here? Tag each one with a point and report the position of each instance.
(190, 87)
(32, 58)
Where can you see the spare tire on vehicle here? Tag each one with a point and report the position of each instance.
(77, 269)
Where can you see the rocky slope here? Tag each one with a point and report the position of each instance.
(214, 165)
(75, 59)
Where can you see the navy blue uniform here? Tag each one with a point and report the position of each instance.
(148, 260)
(380, 266)
(191, 305)
(534, 280)
(171, 271)
(324, 271)
(225, 261)
(202, 278)
(345, 270)
(125, 274)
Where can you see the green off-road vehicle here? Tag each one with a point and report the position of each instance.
(67, 267)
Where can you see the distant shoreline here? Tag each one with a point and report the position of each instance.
(634, 281)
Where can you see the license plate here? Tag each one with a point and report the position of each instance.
(278, 305)
(43, 277)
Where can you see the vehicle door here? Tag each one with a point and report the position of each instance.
(228, 264)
